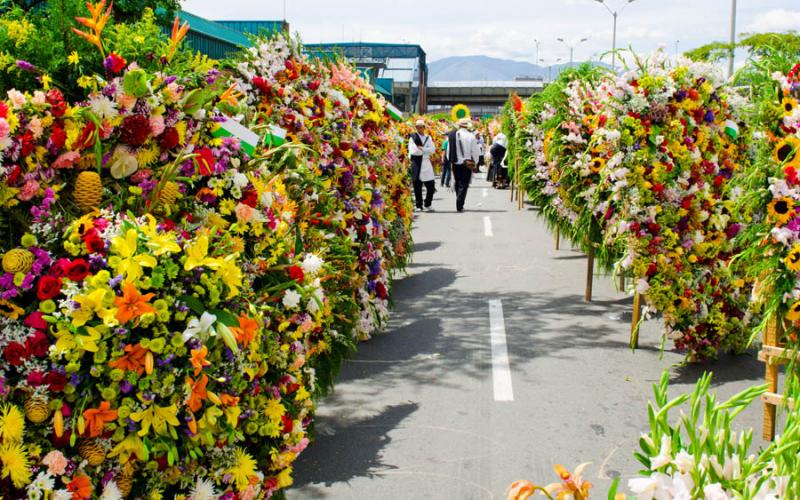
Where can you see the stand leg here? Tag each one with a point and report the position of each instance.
(771, 335)
(621, 282)
(637, 316)
(558, 239)
(589, 275)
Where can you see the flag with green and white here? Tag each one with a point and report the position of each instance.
(247, 138)
(275, 136)
(394, 112)
(732, 129)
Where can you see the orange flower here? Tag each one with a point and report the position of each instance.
(96, 418)
(246, 331)
(198, 392)
(132, 304)
(228, 400)
(134, 360)
(81, 488)
(199, 360)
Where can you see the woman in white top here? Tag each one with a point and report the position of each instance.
(420, 148)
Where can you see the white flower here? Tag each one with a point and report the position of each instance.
(111, 491)
(203, 490)
(312, 264)
(43, 483)
(664, 456)
(291, 299)
(715, 492)
(684, 462)
(642, 286)
(103, 107)
(124, 163)
(647, 488)
(62, 495)
(199, 327)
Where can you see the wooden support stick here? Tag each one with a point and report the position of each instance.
(589, 274)
(771, 338)
(637, 317)
(558, 238)
(621, 282)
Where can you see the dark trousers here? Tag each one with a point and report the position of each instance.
(446, 174)
(430, 187)
(463, 175)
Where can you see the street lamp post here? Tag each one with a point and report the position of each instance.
(614, 14)
(572, 47)
(536, 42)
(733, 38)
(550, 70)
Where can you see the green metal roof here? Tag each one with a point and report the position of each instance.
(254, 27)
(215, 30)
(384, 86)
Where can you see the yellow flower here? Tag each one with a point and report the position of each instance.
(74, 58)
(789, 105)
(156, 417)
(97, 303)
(12, 424)
(197, 254)
(86, 82)
(786, 150)
(15, 464)
(230, 274)
(131, 445)
(285, 478)
(275, 410)
(781, 209)
(792, 260)
(597, 164)
(67, 341)
(243, 469)
(129, 263)
(159, 243)
(46, 80)
(794, 312)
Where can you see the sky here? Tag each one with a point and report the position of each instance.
(508, 28)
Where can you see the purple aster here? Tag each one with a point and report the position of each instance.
(25, 65)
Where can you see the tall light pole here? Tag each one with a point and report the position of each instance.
(536, 42)
(677, 54)
(614, 14)
(572, 47)
(550, 70)
(733, 38)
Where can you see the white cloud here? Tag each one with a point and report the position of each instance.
(775, 20)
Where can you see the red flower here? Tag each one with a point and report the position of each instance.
(3, 110)
(250, 198)
(13, 176)
(380, 290)
(94, 243)
(296, 273)
(262, 85)
(87, 137)
(56, 101)
(26, 140)
(48, 287)
(37, 344)
(36, 320)
(14, 352)
(658, 188)
(56, 381)
(169, 138)
(35, 379)
(114, 63)
(288, 423)
(135, 129)
(205, 161)
(58, 137)
(77, 270)
(791, 175)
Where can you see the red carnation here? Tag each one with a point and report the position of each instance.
(27, 142)
(288, 423)
(296, 273)
(35, 379)
(250, 198)
(13, 176)
(14, 352)
(205, 161)
(56, 381)
(380, 290)
(48, 287)
(56, 101)
(58, 137)
(135, 130)
(77, 270)
(36, 321)
(3, 110)
(169, 138)
(114, 63)
(37, 344)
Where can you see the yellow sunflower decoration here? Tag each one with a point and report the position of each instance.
(792, 260)
(597, 164)
(794, 312)
(681, 303)
(786, 150)
(789, 104)
(459, 112)
(781, 209)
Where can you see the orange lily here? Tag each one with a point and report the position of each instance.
(96, 418)
(199, 360)
(178, 34)
(231, 96)
(572, 484)
(132, 304)
(228, 400)
(134, 360)
(80, 487)
(246, 331)
(191, 423)
(95, 24)
(198, 392)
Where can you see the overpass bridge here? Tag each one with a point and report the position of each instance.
(482, 97)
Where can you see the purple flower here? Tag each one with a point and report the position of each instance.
(25, 65)
(125, 387)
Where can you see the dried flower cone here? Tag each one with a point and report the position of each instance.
(37, 409)
(169, 194)
(88, 191)
(17, 260)
(92, 451)
(124, 482)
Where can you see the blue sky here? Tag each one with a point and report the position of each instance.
(507, 28)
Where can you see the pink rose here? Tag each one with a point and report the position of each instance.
(156, 125)
(56, 463)
(29, 190)
(67, 160)
(4, 128)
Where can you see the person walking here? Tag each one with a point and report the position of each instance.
(420, 148)
(447, 173)
(498, 152)
(463, 153)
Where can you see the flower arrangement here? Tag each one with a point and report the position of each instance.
(177, 289)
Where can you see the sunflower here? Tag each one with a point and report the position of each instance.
(459, 111)
(597, 164)
(792, 260)
(781, 209)
(10, 310)
(793, 314)
(786, 150)
(788, 104)
(681, 303)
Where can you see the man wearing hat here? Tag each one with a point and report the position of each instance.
(463, 152)
(420, 148)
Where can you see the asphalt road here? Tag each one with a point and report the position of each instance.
(415, 414)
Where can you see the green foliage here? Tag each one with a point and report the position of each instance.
(765, 44)
(710, 52)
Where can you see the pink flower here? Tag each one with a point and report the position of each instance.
(35, 126)
(67, 160)
(246, 213)
(4, 128)
(156, 125)
(39, 98)
(126, 101)
(29, 190)
(56, 463)
(17, 98)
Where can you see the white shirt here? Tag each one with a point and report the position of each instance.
(428, 148)
(466, 147)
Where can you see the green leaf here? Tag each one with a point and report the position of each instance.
(192, 303)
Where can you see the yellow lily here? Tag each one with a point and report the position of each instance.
(197, 255)
(230, 274)
(156, 417)
(67, 341)
(159, 243)
(131, 445)
(94, 303)
(128, 262)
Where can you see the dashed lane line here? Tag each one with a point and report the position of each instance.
(501, 370)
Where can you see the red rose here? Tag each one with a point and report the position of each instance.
(3, 110)
(380, 289)
(14, 352)
(57, 269)
(77, 270)
(169, 138)
(37, 344)
(35, 379)
(36, 320)
(205, 161)
(56, 381)
(94, 243)
(58, 137)
(48, 287)
(288, 423)
(296, 273)
(135, 129)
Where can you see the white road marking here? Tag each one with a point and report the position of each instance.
(485, 192)
(487, 227)
(501, 370)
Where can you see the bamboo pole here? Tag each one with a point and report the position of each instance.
(772, 335)
(621, 278)
(558, 239)
(637, 317)
(589, 274)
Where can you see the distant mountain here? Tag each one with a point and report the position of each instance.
(471, 68)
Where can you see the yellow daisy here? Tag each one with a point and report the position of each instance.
(15, 464)
(793, 314)
(788, 104)
(792, 260)
(243, 469)
(781, 209)
(12, 424)
(786, 150)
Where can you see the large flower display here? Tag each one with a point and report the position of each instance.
(177, 287)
